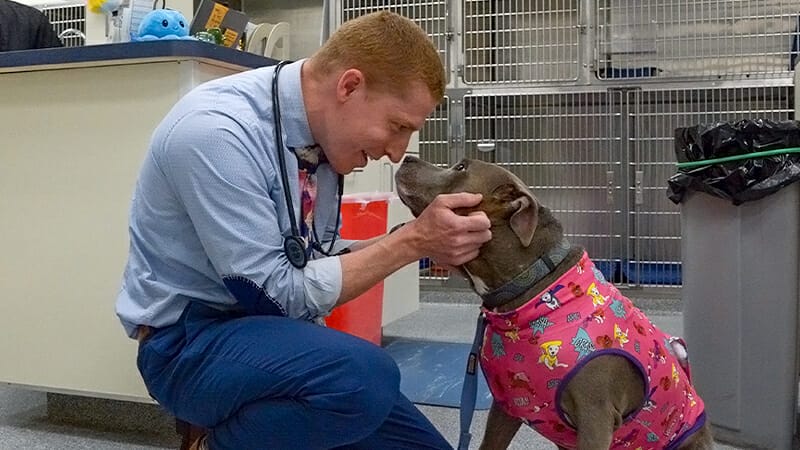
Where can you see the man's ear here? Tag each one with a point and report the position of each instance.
(524, 210)
(349, 82)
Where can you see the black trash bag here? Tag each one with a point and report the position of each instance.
(741, 180)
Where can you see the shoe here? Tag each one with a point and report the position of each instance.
(192, 437)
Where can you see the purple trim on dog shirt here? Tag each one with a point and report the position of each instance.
(701, 420)
(611, 351)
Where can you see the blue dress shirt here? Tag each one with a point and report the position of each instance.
(208, 215)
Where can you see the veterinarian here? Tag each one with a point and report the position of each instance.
(234, 257)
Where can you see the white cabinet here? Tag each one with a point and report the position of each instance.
(73, 141)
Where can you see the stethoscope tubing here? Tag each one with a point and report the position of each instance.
(294, 246)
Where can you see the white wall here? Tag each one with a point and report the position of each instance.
(304, 17)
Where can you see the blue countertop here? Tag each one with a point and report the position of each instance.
(105, 53)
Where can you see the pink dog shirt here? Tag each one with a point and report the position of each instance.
(530, 354)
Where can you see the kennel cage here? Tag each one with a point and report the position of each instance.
(560, 93)
(600, 161)
(68, 21)
(530, 43)
(653, 115)
(562, 146)
(430, 15)
(710, 39)
(521, 42)
(489, 42)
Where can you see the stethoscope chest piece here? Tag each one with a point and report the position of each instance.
(295, 251)
(294, 246)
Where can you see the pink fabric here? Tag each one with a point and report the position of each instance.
(529, 355)
(308, 197)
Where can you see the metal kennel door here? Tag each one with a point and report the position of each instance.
(520, 41)
(431, 15)
(709, 39)
(69, 23)
(566, 147)
(652, 116)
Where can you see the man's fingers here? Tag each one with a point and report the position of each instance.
(464, 258)
(459, 200)
(481, 237)
(477, 221)
(467, 244)
(456, 239)
(473, 240)
(463, 250)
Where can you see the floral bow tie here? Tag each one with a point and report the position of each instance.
(308, 159)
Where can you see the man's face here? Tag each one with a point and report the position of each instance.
(372, 124)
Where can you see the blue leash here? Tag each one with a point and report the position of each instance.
(469, 391)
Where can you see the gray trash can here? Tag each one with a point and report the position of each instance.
(741, 271)
(740, 226)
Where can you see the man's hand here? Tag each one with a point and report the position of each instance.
(446, 237)
(438, 233)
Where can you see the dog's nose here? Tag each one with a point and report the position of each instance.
(410, 159)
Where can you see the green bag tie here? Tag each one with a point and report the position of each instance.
(709, 162)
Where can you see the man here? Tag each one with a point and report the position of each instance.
(24, 27)
(224, 318)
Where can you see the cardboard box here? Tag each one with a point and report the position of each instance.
(211, 14)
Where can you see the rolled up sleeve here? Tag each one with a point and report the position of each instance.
(322, 284)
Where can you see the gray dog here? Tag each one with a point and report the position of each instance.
(564, 351)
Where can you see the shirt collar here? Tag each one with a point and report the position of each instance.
(294, 120)
(309, 158)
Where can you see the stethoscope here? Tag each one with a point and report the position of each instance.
(294, 246)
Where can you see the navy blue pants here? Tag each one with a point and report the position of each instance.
(268, 382)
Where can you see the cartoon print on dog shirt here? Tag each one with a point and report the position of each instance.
(535, 351)
(597, 298)
(599, 315)
(540, 325)
(617, 308)
(549, 356)
(512, 335)
(620, 336)
(582, 343)
(497, 345)
(576, 289)
(549, 298)
(599, 275)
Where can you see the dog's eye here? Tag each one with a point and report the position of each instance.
(460, 167)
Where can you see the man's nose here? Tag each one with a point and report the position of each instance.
(395, 154)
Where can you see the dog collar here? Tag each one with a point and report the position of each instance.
(528, 277)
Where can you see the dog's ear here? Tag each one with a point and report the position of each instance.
(524, 210)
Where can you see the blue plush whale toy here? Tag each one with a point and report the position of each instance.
(163, 24)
